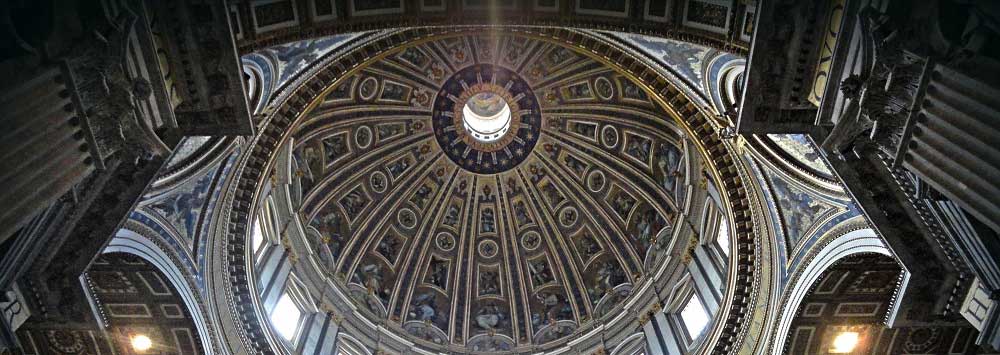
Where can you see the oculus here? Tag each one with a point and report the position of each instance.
(486, 119)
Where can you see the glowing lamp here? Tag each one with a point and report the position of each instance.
(141, 343)
(845, 342)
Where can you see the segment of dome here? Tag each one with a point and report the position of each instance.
(510, 240)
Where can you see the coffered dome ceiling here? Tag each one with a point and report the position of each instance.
(488, 191)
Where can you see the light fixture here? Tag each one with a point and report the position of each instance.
(141, 343)
(845, 342)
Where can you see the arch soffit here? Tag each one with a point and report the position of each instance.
(134, 243)
(852, 237)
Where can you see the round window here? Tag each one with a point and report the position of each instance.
(486, 116)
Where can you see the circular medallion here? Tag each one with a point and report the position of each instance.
(604, 88)
(486, 119)
(568, 216)
(609, 136)
(531, 240)
(406, 218)
(378, 182)
(445, 241)
(368, 88)
(488, 249)
(363, 137)
(595, 181)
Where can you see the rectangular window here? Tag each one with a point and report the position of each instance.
(694, 316)
(723, 236)
(285, 317)
(257, 236)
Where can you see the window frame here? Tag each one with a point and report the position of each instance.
(683, 323)
(266, 219)
(722, 225)
(711, 219)
(288, 294)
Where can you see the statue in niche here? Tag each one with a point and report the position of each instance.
(421, 196)
(489, 317)
(668, 161)
(422, 308)
(439, 274)
(639, 148)
(451, 216)
(489, 283)
(487, 221)
(540, 273)
(521, 213)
